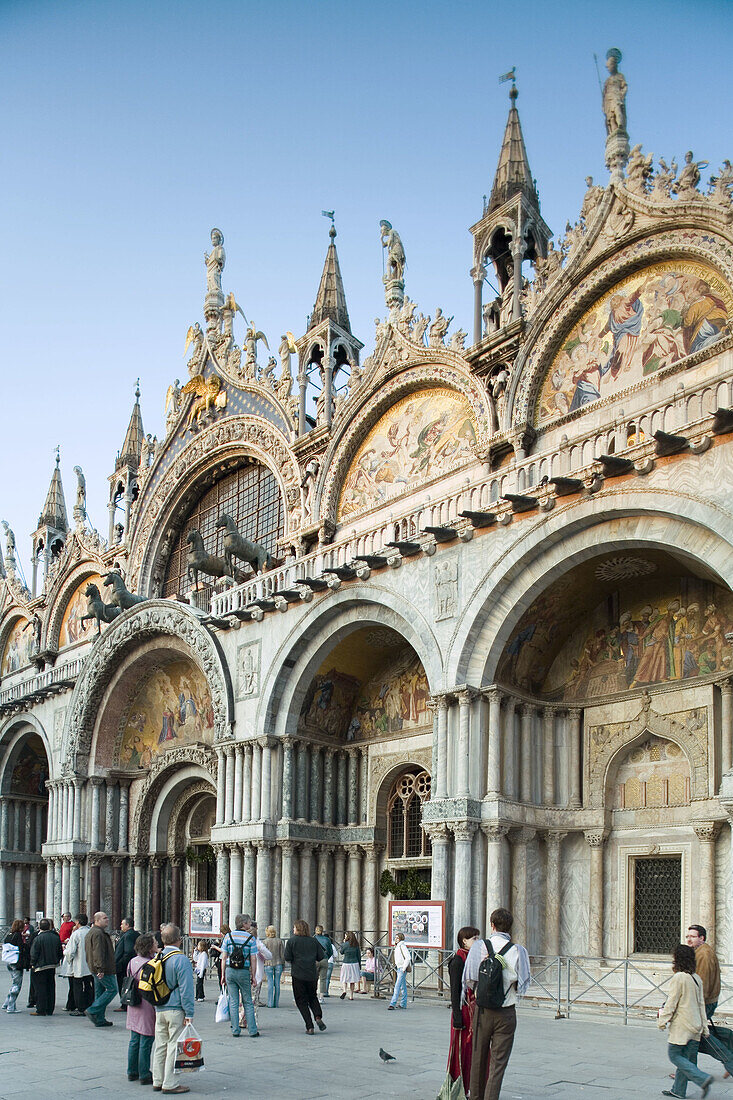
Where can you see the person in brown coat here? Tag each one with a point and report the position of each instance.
(706, 966)
(101, 961)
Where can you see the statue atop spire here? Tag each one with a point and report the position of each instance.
(215, 261)
(394, 275)
(614, 109)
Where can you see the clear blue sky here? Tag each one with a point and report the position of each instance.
(130, 129)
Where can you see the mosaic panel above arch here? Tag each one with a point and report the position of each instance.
(72, 630)
(171, 707)
(18, 649)
(422, 436)
(646, 322)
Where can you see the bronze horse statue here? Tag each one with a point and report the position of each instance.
(98, 609)
(120, 596)
(235, 546)
(200, 561)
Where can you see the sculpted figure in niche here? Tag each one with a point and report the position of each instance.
(507, 297)
(614, 94)
(215, 261)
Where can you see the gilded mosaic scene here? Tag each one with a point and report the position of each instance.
(172, 707)
(31, 769)
(18, 648)
(647, 322)
(72, 629)
(422, 436)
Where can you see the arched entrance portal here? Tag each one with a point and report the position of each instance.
(23, 821)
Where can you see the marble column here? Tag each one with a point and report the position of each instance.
(18, 906)
(250, 879)
(33, 893)
(138, 894)
(462, 902)
(342, 790)
(220, 786)
(229, 785)
(96, 784)
(16, 825)
(354, 903)
(301, 783)
(109, 823)
(370, 890)
(28, 824)
(124, 815)
(706, 832)
(287, 808)
(509, 778)
(726, 727)
(496, 869)
(527, 763)
(155, 911)
(57, 896)
(5, 920)
(574, 788)
(266, 780)
(176, 891)
(287, 917)
(329, 805)
(238, 781)
(78, 792)
(94, 884)
(116, 906)
(74, 887)
(247, 783)
(305, 898)
(520, 839)
(364, 785)
(339, 891)
(314, 811)
(553, 841)
(222, 875)
(236, 881)
(40, 833)
(548, 756)
(65, 864)
(264, 883)
(51, 802)
(48, 906)
(323, 914)
(256, 810)
(596, 839)
(353, 783)
(440, 839)
(493, 766)
(441, 779)
(465, 699)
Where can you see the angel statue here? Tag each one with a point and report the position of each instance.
(215, 261)
(285, 382)
(250, 342)
(195, 336)
(80, 506)
(395, 252)
(172, 405)
(209, 396)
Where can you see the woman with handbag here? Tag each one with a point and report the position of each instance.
(140, 1014)
(461, 1029)
(685, 1014)
(15, 957)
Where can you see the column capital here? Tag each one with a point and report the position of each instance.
(494, 832)
(156, 862)
(439, 701)
(95, 859)
(463, 830)
(340, 854)
(465, 694)
(522, 835)
(493, 692)
(574, 712)
(266, 742)
(142, 861)
(175, 861)
(289, 846)
(118, 860)
(326, 849)
(554, 837)
(726, 687)
(288, 740)
(438, 832)
(228, 750)
(95, 780)
(706, 830)
(596, 838)
(373, 851)
(217, 847)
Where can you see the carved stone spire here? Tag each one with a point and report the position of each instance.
(513, 174)
(54, 510)
(132, 447)
(331, 299)
(53, 527)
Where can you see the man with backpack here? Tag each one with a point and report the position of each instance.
(498, 971)
(175, 1011)
(238, 961)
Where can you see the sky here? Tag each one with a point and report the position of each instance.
(132, 128)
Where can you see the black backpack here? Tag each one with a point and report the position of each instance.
(238, 960)
(490, 986)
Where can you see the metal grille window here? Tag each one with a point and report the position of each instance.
(251, 496)
(404, 812)
(657, 904)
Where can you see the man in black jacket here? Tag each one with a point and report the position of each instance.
(46, 954)
(124, 951)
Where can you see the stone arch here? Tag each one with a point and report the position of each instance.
(164, 784)
(569, 301)
(64, 595)
(189, 803)
(551, 547)
(301, 654)
(430, 370)
(152, 619)
(13, 736)
(386, 770)
(227, 440)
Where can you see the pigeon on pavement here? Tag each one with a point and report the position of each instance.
(386, 1057)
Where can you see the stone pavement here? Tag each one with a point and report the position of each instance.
(578, 1059)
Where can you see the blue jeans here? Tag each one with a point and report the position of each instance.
(16, 976)
(400, 990)
(239, 984)
(273, 975)
(138, 1055)
(685, 1060)
(105, 990)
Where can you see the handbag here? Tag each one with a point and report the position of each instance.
(130, 994)
(450, 1089)
(11, 954)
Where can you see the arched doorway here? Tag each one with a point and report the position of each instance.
(23, 823)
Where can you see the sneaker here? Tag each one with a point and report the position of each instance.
(668, 1092)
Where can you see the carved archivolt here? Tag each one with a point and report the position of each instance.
(235, 434)
(178, 817)
(155, 780)
(407, 381)
(555, 318)
(122, 637)
(688, 729)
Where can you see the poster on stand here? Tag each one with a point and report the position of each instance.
(204, 918)
(422, 923)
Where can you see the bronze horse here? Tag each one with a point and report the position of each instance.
(98, 609)
(120, 596)
(235, 546)
(200, 561)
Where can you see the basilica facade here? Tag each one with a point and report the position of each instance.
(459, 609)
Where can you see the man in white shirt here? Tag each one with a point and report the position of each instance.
(403, 962)
(494, 1028)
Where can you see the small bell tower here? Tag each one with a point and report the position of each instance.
(510, 231)
(123, 482)
(53, 527)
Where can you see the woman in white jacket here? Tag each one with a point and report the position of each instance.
(685, 1014)
(81, 976)
(403, 964)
